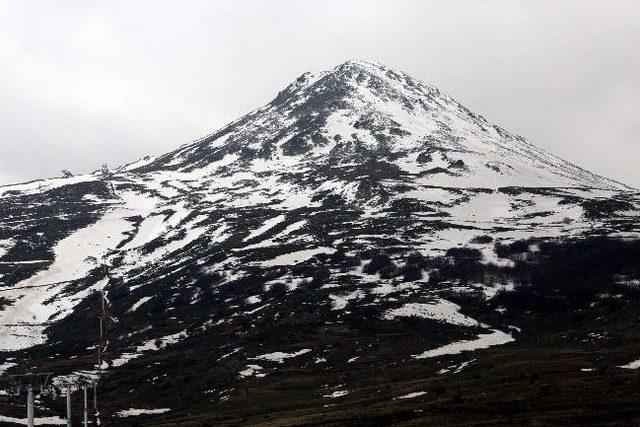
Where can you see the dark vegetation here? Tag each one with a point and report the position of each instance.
(537, 379)
(562, 291)
(571, 276)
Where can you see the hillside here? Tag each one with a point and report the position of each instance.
(361, 250)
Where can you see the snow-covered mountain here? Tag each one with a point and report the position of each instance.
(357, 199)
(361, 111)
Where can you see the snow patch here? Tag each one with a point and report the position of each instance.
(279, 356)
(40, 421)
(133, 412)
(149, 345)
(632, 365)
(251, 371)
(495, 337)
(441, 310)
(336, 394)
(411, 395)
(141, 301)
(297, 256)
(268, 225)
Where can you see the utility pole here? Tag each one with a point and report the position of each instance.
(68, 406)
(30, 408)
(102, 320)
(86, 415)
(101, 327)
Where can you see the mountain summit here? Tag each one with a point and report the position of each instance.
(358, 249)
(361, 111)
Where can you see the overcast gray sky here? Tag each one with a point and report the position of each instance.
(86, 82)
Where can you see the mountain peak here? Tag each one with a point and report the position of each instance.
(362, 64)
(362, 110)
(368, 81)
(372, 68)
(378, 78)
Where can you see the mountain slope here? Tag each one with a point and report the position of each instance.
(360, 222)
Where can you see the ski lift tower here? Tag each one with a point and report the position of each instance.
(30, 384)
(76, 382)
